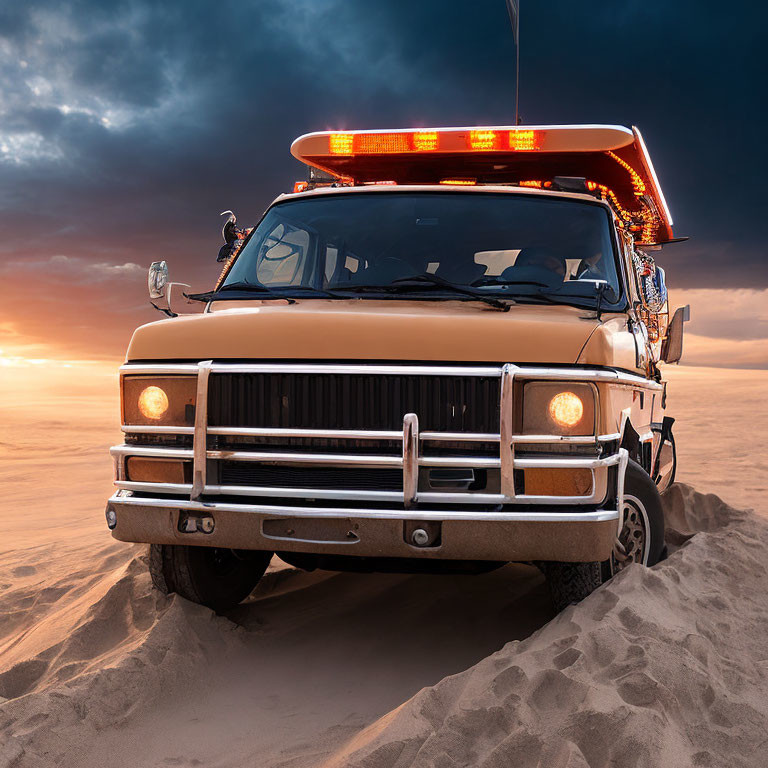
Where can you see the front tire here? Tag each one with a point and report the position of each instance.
(211, 576)
(641, 541)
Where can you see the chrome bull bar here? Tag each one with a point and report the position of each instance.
(409, 460)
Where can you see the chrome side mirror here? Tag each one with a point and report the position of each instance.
(162, 292)
(157, 279)
(672, 346)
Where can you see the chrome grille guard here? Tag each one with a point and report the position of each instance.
(409, 459)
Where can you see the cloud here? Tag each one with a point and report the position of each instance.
(126, 126)
(72, 269)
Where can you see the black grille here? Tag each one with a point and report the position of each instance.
(353, 401)
(338, 445)
(333, 478)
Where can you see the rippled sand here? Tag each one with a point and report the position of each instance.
(660, 667)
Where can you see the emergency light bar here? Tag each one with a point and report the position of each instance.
(612, 158)
(571, 138)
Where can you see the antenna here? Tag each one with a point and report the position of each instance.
(513, 8)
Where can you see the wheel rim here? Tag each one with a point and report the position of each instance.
(633, 537)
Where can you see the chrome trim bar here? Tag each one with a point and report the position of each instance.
(410, 458)
(506, 432)
(162, 368)
(131, 485)
(607, 376)
(199, 451)
(428, 497)
(359, 434)
(331, 434)
(379, 514)
(463, 437)
(544, 374)
(155, 429)
(352, 460)
(457, 462)
(162, 453)
(415, 370)
(571, 439)
(623, 462)
(566, 463)
(327, 459)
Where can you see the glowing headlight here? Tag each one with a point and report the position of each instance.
(153, 403)
(159, 400)
(551, 409)
(566, 409)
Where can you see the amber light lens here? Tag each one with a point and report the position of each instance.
(558, 482)
(159, 400)
(566, 409)
(149, 470)
(552, 408)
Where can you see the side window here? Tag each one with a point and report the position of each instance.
(283, 256)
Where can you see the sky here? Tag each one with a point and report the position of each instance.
(127, 126)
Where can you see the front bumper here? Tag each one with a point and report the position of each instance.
(504, 524)
(463, 535)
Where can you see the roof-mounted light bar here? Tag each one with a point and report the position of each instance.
(570, 138)
(613, 157)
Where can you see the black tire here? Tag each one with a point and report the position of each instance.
(214, 577)
(571, 582)
(641, 492)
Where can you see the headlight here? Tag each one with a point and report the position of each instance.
(159, 400)
(153, 402)
(552, 408)
(566, 409)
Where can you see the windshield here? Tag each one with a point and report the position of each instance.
(417, 244)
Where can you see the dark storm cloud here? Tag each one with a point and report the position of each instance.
(125, 127)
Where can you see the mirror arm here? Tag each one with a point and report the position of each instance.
(166, 312)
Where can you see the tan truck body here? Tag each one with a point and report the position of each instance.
(547, 496)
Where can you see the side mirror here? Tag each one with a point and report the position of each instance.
(653, 288)
(162, 293)
(157, 279)
(672, 346)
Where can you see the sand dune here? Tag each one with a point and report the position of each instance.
(660, 667)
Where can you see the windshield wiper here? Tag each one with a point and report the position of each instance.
(551, 296)
(240, 290)
(419, 281)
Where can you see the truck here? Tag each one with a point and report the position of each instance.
(440, 353)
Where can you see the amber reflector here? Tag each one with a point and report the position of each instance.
(558, 482)
(139, 469)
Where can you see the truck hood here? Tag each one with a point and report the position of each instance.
(374, 330)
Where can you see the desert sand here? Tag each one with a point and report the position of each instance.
(662, 666)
